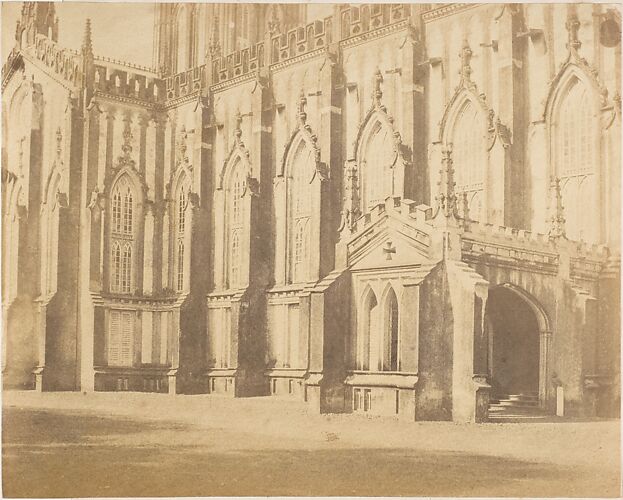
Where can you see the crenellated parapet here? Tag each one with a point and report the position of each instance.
(301, 40)
(356, 20)
(127, 81)
(282, 48)
(237, 64)
(185, 83)
(541, 252)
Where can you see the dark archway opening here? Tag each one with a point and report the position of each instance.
(513, 343)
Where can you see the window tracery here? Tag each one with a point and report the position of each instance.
(180, 234)
(300, 207)
(235, 206)
(377, 164)
(573, 148)
(122, 235)
(378, 333)
(469, 157)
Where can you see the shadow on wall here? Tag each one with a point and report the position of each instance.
(21, 346)
(515, 343)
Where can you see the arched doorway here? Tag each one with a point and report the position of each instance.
(514, 343)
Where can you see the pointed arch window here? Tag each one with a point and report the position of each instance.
(573, 148)
(300, 210)
(235, 208)
(367, 329)
(116, 211)
(180, 234)
(181, 212)
(116, 266)
(301, 247)
(391, 332)
(122, 236)
(180, 265)
(377, 164)
(126, 268)
(469, 156)
(235, 258)
(127, 211)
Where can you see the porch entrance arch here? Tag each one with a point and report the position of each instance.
(519, 343)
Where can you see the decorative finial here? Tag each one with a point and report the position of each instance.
(182, 147)
(557, 220)
(466, 57)
(59, 140)
(274, 23)
(573, 26)
(351, 211)
(302, 115)
(238, 129)
(446, 197)
(125, 160)
(377, 93)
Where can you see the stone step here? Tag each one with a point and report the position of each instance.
(517, 418)
(518, 404)
(523, 397)
(516, 408)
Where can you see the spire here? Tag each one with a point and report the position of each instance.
(87, 41)
(37, 18)
(557, 219)
(215, 44)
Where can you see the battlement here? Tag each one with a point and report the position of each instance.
(356, 20)
(64, 62)
(531, 240)
(113, 78)
(186, 82)
(403, 206)
(301, 40)
(239, 63)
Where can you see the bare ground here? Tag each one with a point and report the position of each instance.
(112, 444)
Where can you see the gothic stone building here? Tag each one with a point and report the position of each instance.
(405, 210)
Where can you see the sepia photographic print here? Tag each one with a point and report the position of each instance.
(255, 249)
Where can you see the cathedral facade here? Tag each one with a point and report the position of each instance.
(407, 210)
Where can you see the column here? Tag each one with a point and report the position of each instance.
(545, 342)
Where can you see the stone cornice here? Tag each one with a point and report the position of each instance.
(274, 68)
(227, 84)
(381, 32)
(179, 101)
(128, 101)
(445, 10)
